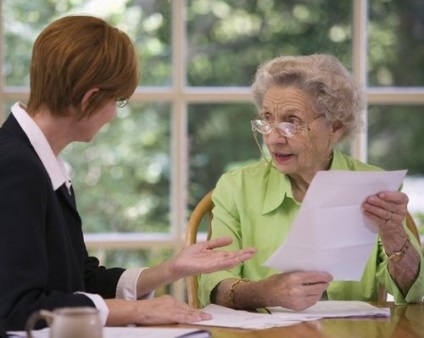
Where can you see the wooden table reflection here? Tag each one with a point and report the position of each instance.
(405, 321)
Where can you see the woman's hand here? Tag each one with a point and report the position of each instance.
(203, 258)
(387, 209)
(192, 260)
(295, 290)
(161, 310)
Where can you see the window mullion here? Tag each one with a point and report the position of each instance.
(360, 59)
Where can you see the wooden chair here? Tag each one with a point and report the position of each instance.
(203, 212)
(410, 223)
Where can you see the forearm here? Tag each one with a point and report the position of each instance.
(121, 312)
(403, 260)
(155, 277)
(405, 271)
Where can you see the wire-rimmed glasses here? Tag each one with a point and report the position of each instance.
(286, 129)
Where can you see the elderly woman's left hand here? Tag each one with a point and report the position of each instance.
(387, 209)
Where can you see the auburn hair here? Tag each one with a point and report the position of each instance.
(75, 54)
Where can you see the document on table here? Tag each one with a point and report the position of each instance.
(131, 332)
(330, 232)
(332, 309)
(279, 316)
(226, 317)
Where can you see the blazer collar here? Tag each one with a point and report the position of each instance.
(53, 164)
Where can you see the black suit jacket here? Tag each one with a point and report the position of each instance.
(43, 258)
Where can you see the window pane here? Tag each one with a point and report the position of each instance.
(147, 23)
(395, 142)
(122, 178)
(395, 137)
(227, 39)
(220, 139)
(396, 43)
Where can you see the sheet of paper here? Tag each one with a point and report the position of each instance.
(330, 232)
(332, 309)
(132, 332)
(225, 317)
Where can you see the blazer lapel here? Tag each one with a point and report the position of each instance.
(69, 197)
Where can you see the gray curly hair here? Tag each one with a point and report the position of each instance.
(332, 89)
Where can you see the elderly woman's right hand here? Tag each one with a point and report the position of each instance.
(294, 290)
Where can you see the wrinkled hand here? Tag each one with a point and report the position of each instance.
(167, 310)
(161, 310)
(387, 209)
(295, 290)
(202, 258)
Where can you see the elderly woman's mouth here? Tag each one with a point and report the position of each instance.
(281, 156)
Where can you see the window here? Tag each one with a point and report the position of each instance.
(189, 120)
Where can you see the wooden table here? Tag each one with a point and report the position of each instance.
(405, 321)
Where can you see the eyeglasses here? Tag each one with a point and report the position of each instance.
(121, 103)
(286, 129)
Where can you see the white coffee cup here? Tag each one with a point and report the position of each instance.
(71, 322)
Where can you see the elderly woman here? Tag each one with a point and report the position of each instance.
(307, 105)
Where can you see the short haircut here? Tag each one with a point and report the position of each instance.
(323, 78)
(75, 54)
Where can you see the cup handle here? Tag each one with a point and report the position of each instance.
(34, 318)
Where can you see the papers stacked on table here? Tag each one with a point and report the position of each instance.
(280, 316)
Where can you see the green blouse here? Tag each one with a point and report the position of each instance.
(255, 206)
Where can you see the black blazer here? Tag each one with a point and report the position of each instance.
(43, 258)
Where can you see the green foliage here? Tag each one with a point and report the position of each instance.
(396, 43)
(122, 178)
(146, 22)
(395, 138)
(220, 137)
(227, 40)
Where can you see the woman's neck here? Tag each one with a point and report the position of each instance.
(300, 182)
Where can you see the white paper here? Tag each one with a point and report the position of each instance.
(332, 309)
(330, 232)
(132, 332)
(280, 316)
(226, 317)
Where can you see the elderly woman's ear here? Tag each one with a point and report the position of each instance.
(337, 130)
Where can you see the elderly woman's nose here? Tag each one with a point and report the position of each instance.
(276, 136)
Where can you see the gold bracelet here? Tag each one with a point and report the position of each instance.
(397, 256)
(232, 289)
